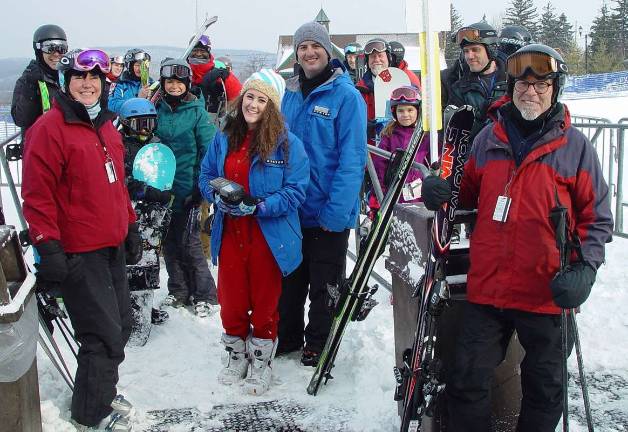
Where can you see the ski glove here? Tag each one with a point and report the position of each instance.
(192, 200)
(237, 210)
(53, 265)
(572, 286)
(133, 245)
(435, 192)
(152, 194)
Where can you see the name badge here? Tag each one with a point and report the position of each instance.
(501, 208)
(412, 190)
(322, 111)
(111, 172)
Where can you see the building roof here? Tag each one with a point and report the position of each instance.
(321, 17)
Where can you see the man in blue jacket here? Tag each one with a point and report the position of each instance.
(323, 109)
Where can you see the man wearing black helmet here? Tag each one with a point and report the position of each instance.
(485, 80)
(513, 37)
(39, 83)
(527, 161)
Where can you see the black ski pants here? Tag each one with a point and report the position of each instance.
(481, 347)
(324, 256)
(97, 300)
(188, 272)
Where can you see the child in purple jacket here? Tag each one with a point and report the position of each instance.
(405, 104)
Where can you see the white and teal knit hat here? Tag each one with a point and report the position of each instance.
(268, 82)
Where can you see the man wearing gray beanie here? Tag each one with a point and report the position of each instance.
(323, 109)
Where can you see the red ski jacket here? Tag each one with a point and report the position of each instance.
(66, 191)
(513, 262)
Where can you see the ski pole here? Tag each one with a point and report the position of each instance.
(54, 361)
(583, 379)
(55, 347)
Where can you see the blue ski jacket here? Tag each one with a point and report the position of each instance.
(125, 89)
(331, 122)
(280, 183)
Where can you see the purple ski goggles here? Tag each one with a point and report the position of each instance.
(87, 60)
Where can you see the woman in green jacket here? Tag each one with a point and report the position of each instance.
(185, 127)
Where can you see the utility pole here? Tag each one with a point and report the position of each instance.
(586, 53)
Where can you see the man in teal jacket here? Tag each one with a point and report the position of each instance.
(185, 127)
(327, 113)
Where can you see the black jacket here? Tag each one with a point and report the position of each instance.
(27, 106)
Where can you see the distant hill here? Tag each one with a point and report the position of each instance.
(243, 63)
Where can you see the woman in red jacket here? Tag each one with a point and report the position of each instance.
(79, 215)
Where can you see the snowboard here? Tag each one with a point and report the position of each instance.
(155, 165)
(384, 84)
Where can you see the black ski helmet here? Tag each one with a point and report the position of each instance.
(513, 37)
(133, 55)
(398, 52)
(48, 32)
(80, 61)
(554, 67)
(384, 44)
(478, 33)
(175, 68)
(352, 48)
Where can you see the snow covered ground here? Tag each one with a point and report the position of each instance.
(177, 368)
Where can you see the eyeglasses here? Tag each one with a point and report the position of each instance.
(406, 93)
(53, 45)
(541, 65)
(468, 34)
(87, 60)
(117, 59)
(175, 71)
(377, 45)
(139, 124)
(540, 87)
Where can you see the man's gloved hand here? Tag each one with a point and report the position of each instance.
(241, 209)
(53, 263)
(193, 200)
(133, 245)
(152, 194)
(572, 286)
(435, 191)
(210, 81)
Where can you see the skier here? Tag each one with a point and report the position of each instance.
(39, 83)
(81, 222)
(256, 243)
(485, 79)
(378, 58)
(405, 104)
(184, 126)
(129, 84)
(218, 85)
(117, 66)
(138, 118)
(513, 37)
(322, 108)
(520, 166)
(351, 54)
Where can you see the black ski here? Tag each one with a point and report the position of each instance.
(418, 381)
(353, 299)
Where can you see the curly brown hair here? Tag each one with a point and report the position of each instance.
(264, 141)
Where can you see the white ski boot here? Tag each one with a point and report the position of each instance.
(122, 406)
(113, 423)
(235, 360)
(262, 352)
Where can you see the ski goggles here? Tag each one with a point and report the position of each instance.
(468, 34)
(540, 64)
(405, 94)
(379, 46)
(87, 60)
(175, 71)
(117, 59)
(137, 56)
(139, 124)
(351, 49)
(53, 45)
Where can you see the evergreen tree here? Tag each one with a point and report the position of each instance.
(564, 34)
(620, 26)
(604, 59)
(548, 28)
(602, 42)
(523, 13)
(452, 50)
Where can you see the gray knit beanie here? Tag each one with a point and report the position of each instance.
(312, 31)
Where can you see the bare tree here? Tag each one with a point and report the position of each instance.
(254, 63)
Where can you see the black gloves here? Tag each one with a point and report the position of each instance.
(152, 194)
(53, 264)
(133, 245)
(435, 191)
(193, 200)
(210, 81)
(571, 287)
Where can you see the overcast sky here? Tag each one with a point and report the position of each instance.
(241, 24)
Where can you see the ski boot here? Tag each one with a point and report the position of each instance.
(158, 316)
(310, 358)
(122, 406)
(235, 361)
(260, 374)
(114, 423)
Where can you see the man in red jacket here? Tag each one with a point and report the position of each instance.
(82, 225)
(519, 167)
